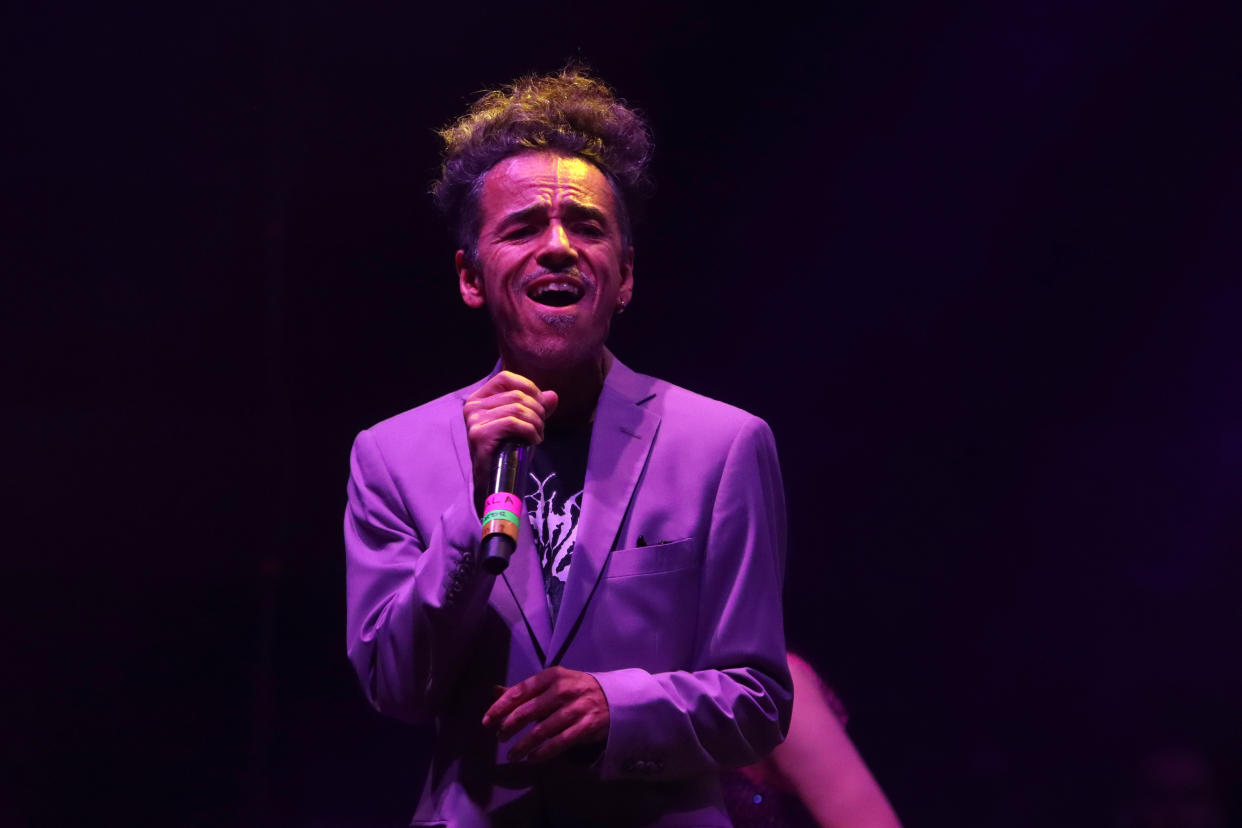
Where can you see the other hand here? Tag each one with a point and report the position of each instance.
(567, 707)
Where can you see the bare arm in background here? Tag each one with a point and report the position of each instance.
(822, 765)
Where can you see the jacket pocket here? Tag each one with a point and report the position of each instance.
(650, 560)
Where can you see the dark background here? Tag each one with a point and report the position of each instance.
(976, 263)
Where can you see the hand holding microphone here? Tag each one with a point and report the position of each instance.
(503, 419)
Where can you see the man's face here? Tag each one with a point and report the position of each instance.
(551, 266)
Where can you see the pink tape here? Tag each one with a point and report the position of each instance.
(502, 500)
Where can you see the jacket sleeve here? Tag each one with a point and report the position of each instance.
(733, 706)
(414, 598)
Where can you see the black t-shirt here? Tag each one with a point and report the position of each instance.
(554, 503)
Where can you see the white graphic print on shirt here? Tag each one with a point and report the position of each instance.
(554, 523)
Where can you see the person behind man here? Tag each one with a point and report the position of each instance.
(816, 777)
(634, 647)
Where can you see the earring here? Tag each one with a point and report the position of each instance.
(621, 306)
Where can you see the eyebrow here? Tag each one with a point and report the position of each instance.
(572, 210)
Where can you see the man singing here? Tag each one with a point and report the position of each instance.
(634, 647)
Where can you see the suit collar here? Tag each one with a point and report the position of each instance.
(621, 440)
(523, 579)
(620, 444)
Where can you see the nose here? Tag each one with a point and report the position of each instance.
(556, 252)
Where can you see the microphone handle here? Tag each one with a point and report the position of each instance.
(503, 508)
(496, 550)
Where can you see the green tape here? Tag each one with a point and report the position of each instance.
(501, 514)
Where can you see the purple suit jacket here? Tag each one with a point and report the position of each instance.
(683, 631)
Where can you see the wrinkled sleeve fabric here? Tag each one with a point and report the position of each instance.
(733, 706)
(414, 595)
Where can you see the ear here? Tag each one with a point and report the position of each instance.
(469, 282)
(626, 293)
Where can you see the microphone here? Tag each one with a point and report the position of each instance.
(502, 509)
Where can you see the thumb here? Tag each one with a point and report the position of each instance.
(549, 401)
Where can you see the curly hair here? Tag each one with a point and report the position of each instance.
(570, 112)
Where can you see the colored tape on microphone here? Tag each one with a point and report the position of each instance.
(500, 521)
(501, 514)
(502, 500)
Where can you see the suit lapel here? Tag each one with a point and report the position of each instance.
(525, 581)
(522, 601)
(620, 444)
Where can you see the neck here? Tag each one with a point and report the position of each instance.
(577, 386)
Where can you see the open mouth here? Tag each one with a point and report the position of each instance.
(556, 294)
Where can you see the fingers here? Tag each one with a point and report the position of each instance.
(506, 381)
(517, 695)
(507, 406)
(567, 727)
(513, 420)
(566, 707)
(555, 723)
(506, 403)
(579, 733)
(517, 387)
(539, 709)
(549, 400)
